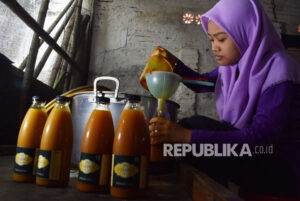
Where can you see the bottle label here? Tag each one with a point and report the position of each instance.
(129, 171)
(94, 168)
(49, 164)
(89, 168)
(26, 160)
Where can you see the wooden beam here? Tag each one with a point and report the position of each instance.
(55, 22)
(59, 63)
(81, 54)
(74, 43)
(14, 6)
(50, 29)
(89, 41)
(34, 47)
(33, 51)
(48, 51)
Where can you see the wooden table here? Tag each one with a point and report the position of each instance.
(161, 187)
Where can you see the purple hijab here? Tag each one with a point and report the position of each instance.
(264, 61)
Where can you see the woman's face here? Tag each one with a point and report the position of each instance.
(223, 46)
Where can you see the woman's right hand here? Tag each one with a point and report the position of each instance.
(163, 130)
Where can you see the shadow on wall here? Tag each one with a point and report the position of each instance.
(10, 92)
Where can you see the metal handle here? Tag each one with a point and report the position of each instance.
(107, 78)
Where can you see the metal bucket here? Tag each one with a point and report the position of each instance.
(83, 104)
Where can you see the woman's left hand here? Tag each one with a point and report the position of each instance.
(163, 130)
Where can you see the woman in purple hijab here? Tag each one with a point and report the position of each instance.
(257, 90)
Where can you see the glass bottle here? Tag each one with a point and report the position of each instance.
(29, 139)
(96, 149)
(131, 150)
(56, 146)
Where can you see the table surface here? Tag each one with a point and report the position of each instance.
(161, 187)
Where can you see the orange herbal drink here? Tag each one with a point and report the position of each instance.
(130, 152)
(56, 146)
(29, 141)
(96, 149)
(156, 154)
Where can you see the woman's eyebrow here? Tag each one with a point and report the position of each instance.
(216, 34)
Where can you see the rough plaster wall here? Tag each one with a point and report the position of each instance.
(287, 14)
(127, 31)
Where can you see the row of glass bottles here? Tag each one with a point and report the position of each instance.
(117, 161)
(44, 144)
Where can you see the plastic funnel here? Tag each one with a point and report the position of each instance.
(162, 84)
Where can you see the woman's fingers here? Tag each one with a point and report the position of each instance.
(157, 120)
(158, 124)
(164, 130)
(159, 130)
(156, 127)
(157, 134)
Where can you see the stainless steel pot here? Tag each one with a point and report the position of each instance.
(83, 104)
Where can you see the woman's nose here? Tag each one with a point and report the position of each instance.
(215, 47)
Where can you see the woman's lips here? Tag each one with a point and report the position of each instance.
(219, 57)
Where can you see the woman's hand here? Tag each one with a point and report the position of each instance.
(163, 130)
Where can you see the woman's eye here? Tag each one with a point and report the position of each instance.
(222, 40)
(211, 40)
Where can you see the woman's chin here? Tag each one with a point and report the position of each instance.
(222, 63)
(226, 63)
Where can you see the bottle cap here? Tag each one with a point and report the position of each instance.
(38, 98)
(133, 98)
(102, 99)
(62, 99)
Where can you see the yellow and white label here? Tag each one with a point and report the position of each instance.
(129, 171)
(23, 159)
(87, 166)
(43, 162)
(125, 170)
(49, 164)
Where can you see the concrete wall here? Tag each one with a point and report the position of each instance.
(127, 31)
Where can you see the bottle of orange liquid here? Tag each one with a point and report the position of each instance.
(29, 141)
(156, 154)
(96, 149)
(56, 146)
(130, 152)
(159, 163)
